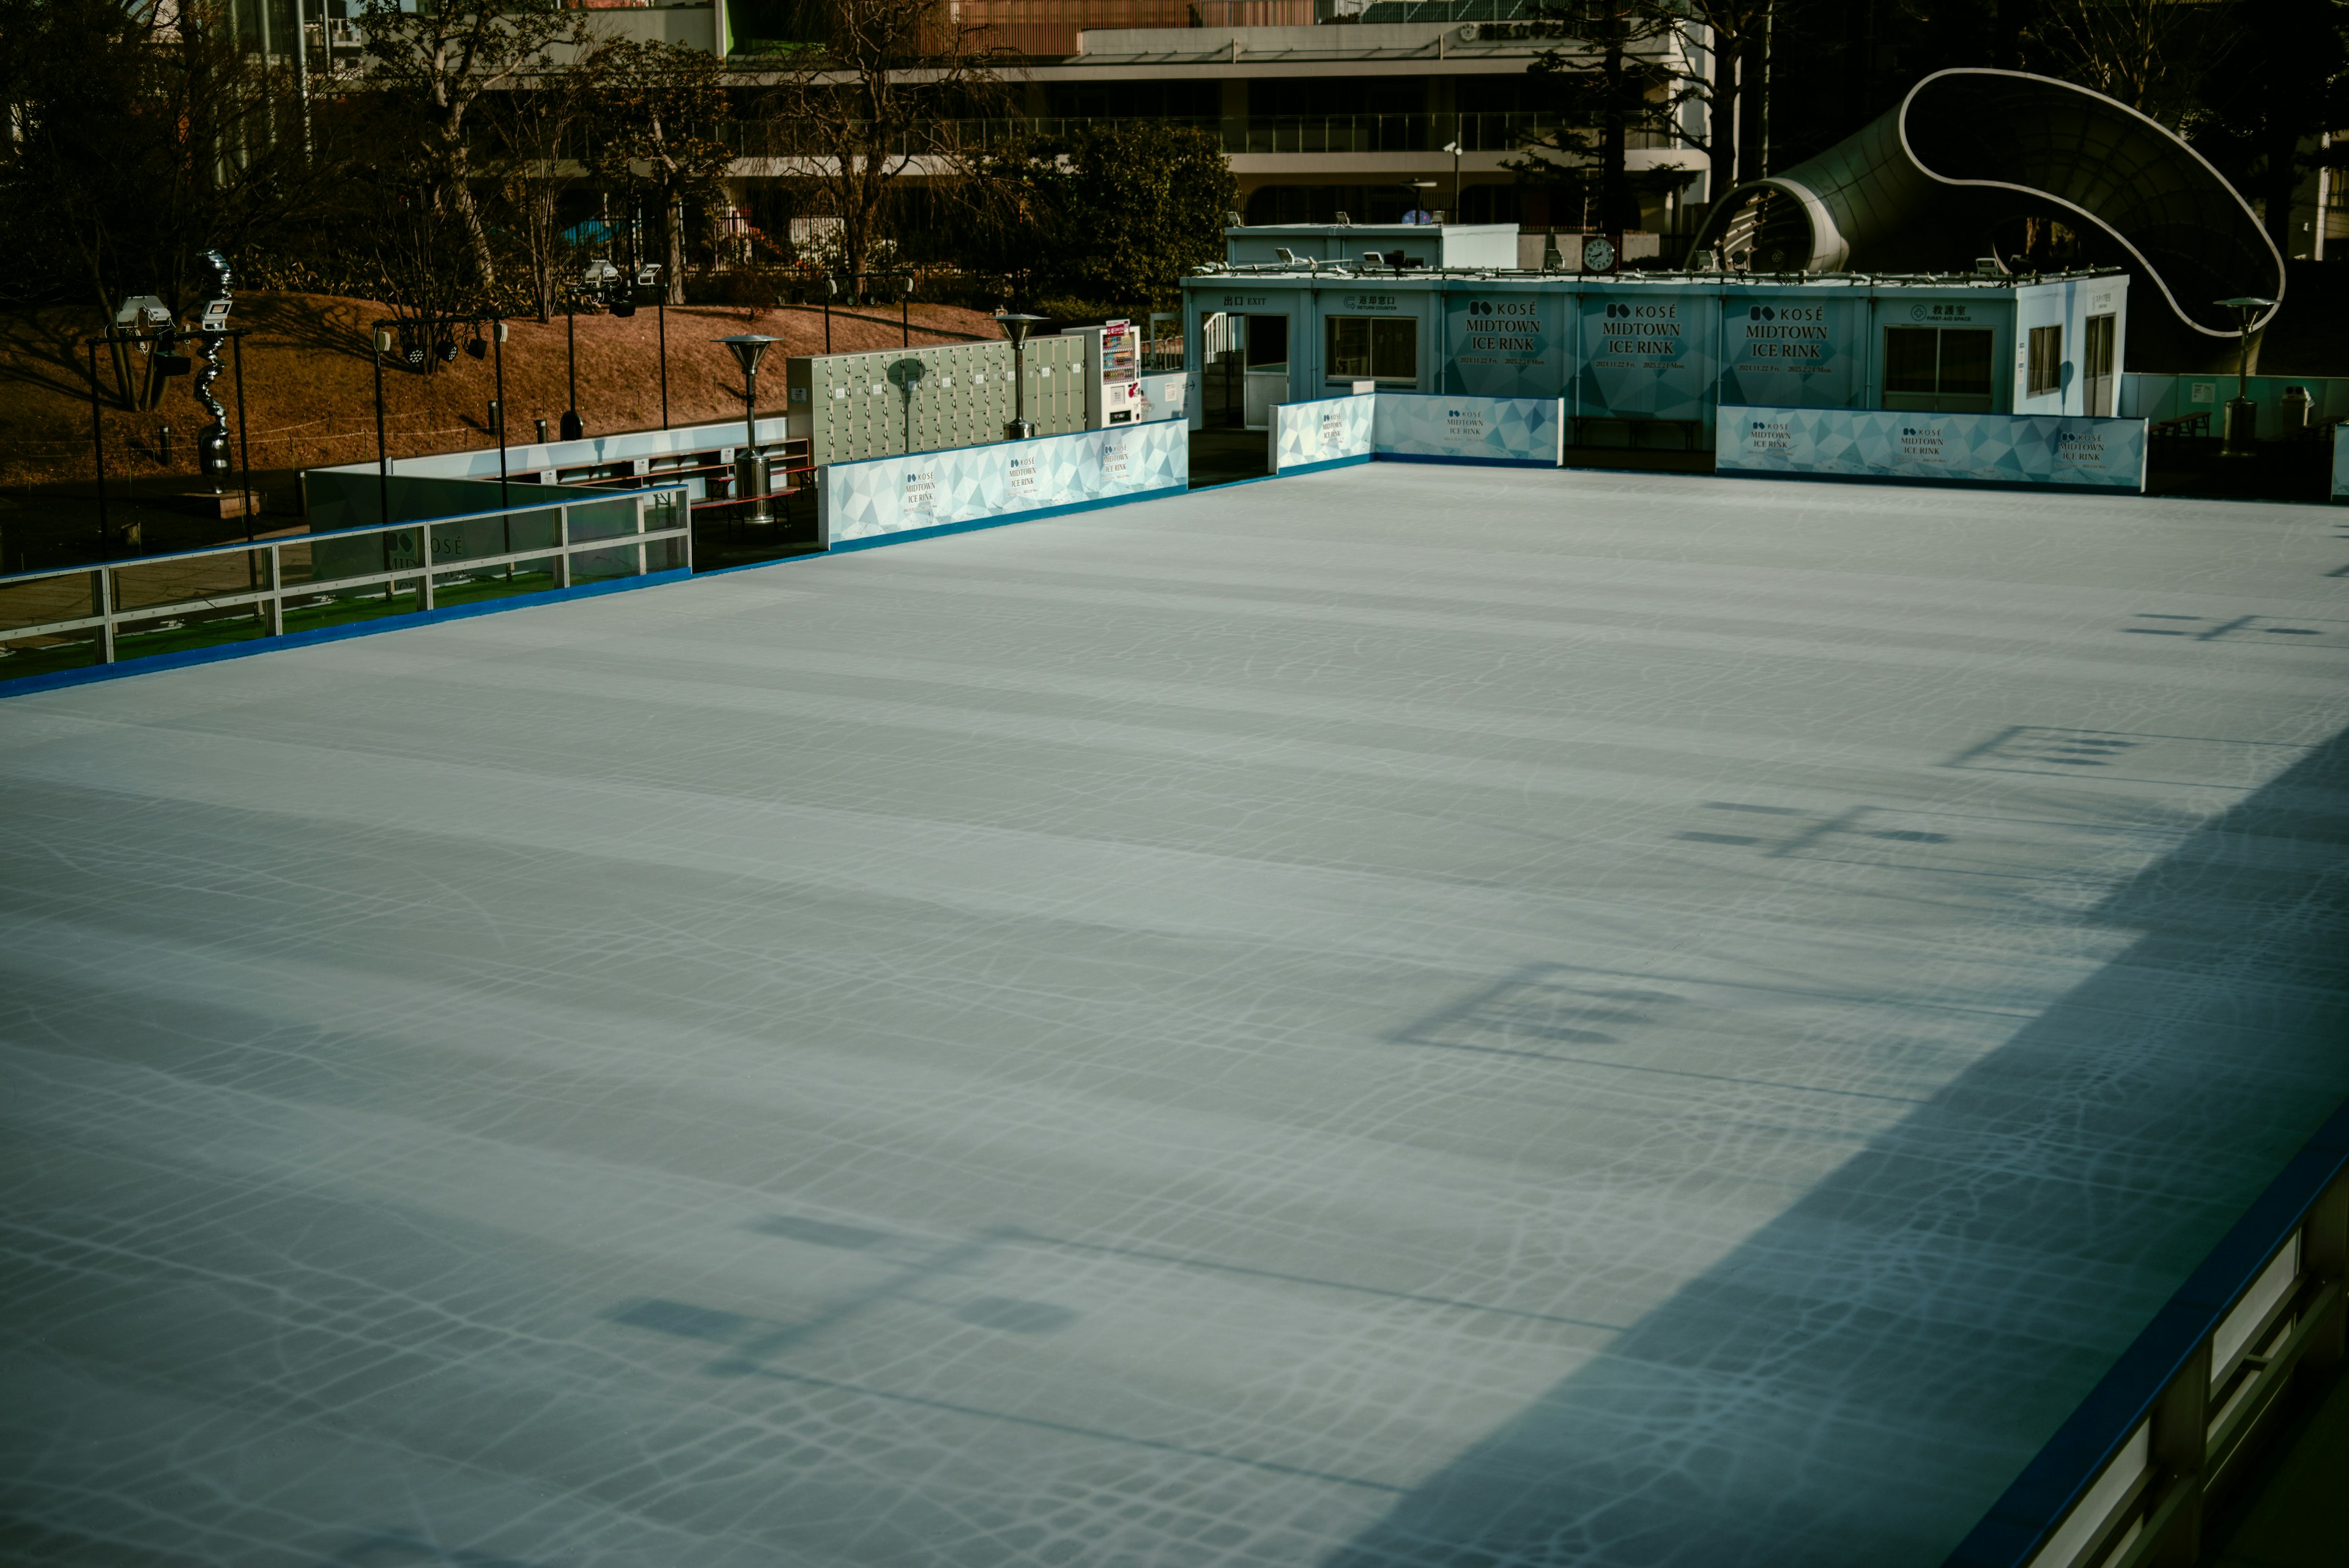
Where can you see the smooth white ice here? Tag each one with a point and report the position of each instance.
(1408, 1016)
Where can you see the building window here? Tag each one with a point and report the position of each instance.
(1943, 368)
(1373, 349)
(2046, 363)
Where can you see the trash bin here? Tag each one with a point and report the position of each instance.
(2293, 408)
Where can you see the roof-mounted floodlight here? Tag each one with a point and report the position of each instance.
(1233, 221)
(1345, 221)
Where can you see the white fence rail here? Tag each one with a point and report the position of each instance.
(55, 622)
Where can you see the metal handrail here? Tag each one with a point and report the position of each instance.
(271, 594)
(2122, 1482)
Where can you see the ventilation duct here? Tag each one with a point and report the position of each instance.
(1966, 164)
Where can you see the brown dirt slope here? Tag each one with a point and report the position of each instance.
(309, 381)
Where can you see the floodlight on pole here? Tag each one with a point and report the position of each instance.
(750, 474)
(1016, 327)
(2241, 426)
(1452, 146)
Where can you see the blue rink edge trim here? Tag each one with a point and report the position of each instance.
(1455, 461)
(254, 645)
(2034, 486)
(1328, 463)
(2023, 1519)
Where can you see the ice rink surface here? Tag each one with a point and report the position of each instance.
(1406, 1018)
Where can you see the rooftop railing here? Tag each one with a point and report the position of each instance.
(1494, 131)
(196, 601)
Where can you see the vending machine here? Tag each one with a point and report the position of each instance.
(1113, 385)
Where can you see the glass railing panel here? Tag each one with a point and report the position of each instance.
(666, 511)
(469, 537)
(327, 560)
(68, 596)
(665, 556)
(504, 582)
(21, 658)
(343, 607)
(604, 519)
(187, 631)
(602, 566)
(190, 579)
(541, 529)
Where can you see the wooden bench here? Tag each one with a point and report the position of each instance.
(2175, 430)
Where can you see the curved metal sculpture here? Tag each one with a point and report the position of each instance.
(212, 442)
(1967, 152)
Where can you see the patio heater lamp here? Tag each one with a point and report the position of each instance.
(1016, 327)
(751, 472)
(2243, 417)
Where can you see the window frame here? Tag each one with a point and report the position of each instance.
(2044, 361)
(1403, 327)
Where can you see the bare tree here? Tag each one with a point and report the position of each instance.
(2150, 54)
(536, 124)
(445, 56)
(878, 97)
(137, 138)
(1617, 79)
(1737, 38)
(661, 109)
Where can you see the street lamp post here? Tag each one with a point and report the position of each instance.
(573, 427)
(751, 477)
(1016, 327)
(1452, 146)
(2241, 424)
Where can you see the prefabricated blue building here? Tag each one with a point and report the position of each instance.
(1645, 359)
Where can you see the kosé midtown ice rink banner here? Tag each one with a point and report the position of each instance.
(1322, 433)
(998, 484)
(1506, 343)
(1433, 427)
(1646, 354)
(1793, 353)
(1980, 449)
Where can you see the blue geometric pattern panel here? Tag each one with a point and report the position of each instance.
(1982, 449)
(1527, 431)
(1003, 481)
(1325, 431)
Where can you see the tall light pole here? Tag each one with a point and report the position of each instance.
(573, 427)
(1452, 146)
(1016, 327)
(751, 480)
(2242, 425)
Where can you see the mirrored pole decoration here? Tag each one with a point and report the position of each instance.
(2242, 420)
(751, 471)
(212, 442)
(1016, 327)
